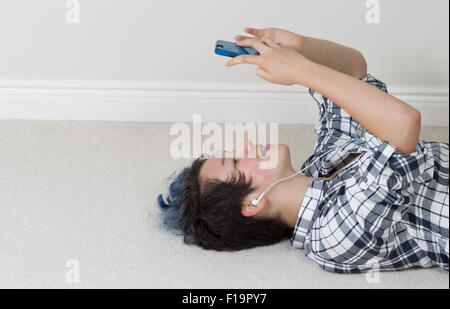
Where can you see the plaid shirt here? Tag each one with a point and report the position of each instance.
(386, 210)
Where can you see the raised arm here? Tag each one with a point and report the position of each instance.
(335, 71)
(341, 58)
(338, 57)
(383, 115)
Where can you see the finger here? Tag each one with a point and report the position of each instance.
(262, 73)
(241, 37)
(250, 59)
(253, 31)
(255, 43)
(270, 42)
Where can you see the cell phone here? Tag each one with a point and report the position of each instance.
(230, 49)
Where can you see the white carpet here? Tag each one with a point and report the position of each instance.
(87, 191)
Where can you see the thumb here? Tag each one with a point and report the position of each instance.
(262, 73)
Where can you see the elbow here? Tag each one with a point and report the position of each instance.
(361, 67)
(412, 133)
(416, 117)
(416, 124)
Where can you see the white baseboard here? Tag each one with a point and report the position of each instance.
(179, 101)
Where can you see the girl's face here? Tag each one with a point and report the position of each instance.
(249, 161)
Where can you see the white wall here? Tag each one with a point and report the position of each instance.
(172, 40)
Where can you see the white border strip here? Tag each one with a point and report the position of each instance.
(178, 101)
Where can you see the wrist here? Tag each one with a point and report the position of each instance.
(300, 43)
(305, 72)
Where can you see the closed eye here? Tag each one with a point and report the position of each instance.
(235, 162)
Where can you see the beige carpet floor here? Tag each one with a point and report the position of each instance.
(80, 196)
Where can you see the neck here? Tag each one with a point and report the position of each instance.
(289, 196)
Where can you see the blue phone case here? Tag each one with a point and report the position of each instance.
(230, 49)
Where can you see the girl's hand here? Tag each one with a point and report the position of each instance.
(282, 37)
(276, 64)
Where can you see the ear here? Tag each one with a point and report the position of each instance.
(249, 210)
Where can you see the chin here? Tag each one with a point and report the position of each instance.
(284, 159)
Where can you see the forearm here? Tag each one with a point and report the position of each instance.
(337, 57)
(383, 115)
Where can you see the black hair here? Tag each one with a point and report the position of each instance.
(209, 213)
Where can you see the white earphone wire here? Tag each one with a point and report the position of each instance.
(255, 202)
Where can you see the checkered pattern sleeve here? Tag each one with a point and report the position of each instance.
(335, 124)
